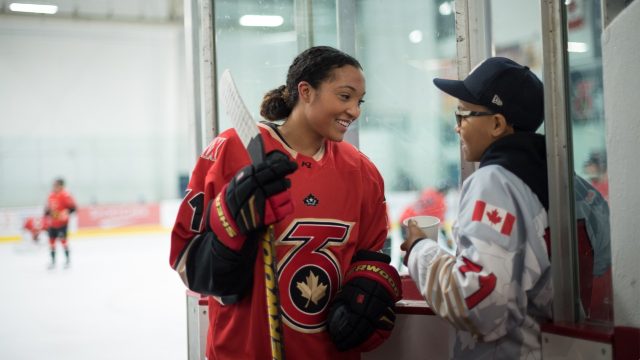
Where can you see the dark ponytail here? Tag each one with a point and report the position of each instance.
(274, 104)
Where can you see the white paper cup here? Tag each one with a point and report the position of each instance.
(428, 224)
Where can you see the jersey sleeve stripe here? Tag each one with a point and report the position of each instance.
(463, 313)
(180, 266)
(432, 297)
(448, 285)
(442, 293)
(436, 290)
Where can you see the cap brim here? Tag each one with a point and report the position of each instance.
(456, 89)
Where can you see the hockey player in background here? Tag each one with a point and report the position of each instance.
(60, 205)
(497, 289)
(326, 201)
(595, 168)
(34, 226)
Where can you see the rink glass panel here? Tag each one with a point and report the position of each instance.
(587, 119)
(516, 34)
(407, 125)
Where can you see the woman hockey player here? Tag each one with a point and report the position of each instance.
(326, 202)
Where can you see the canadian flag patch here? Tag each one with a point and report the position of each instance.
(499, 219)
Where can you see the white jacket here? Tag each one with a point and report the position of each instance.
(497, 288)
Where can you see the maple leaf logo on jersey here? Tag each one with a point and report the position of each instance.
(497, 218)
(493, 216)
(311, 200)
(311, 290)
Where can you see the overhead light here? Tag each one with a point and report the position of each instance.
(446, 8)
(576, 47)
(33, 8)
(415, 36)
(261, 20)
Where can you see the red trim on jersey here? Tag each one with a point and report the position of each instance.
(487, 283)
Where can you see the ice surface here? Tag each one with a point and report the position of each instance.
(119, 300)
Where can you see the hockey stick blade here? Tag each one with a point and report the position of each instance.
(240, 117)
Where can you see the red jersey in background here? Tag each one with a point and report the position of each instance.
(59, 205)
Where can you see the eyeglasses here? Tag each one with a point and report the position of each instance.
(463, 114)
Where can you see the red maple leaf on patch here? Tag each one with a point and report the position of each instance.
(493, 216)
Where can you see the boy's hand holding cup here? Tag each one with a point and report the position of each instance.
(419, 228)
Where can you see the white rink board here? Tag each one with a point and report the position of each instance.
(558, 347)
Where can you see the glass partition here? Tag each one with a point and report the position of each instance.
(407, 124)
(256, 40)
(586, 110)
(517, 34)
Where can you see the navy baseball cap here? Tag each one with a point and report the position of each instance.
(505, 87)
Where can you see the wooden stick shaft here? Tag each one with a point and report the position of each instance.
(273, 295)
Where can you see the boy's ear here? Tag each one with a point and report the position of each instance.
(500, 126)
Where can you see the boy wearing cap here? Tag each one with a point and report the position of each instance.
(497, 289)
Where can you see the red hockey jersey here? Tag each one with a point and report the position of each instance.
(59, 205)
(340, 208)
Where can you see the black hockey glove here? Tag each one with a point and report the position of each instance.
(256, 197)
(363, 313)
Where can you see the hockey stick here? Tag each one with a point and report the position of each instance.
(250, 136)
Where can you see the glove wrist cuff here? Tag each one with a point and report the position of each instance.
(223, 224)
(382, 273)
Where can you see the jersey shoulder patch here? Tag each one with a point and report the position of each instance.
(496, 217)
